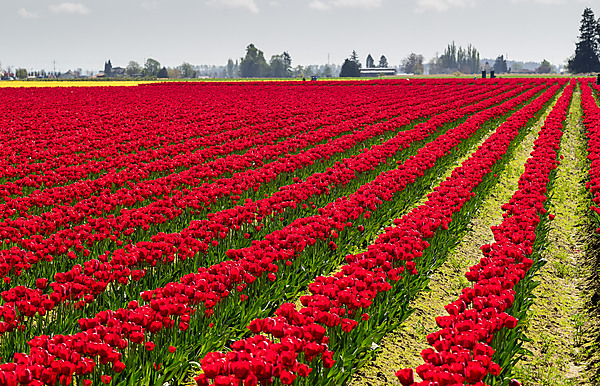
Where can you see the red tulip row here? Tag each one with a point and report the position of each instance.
(33, 136)
(204, 235)
(143, 164)
(271, 134)
(107, 201)
(119, 268)
(339, 304)
(107, 334)
(463, 349)
(81, 237)
(591, 120)
(199, 235)
(81, 144)
(77, 167)
(35, 132)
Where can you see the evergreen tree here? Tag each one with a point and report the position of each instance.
(586, 50)
(383, 63)
(287, 63)
(162, 73)
(354, 58)
(500, 65)
(350, 68)
(108, 68)
(370, 61)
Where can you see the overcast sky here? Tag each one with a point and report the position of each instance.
(85, 33)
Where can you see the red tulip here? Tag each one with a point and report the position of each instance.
(405, 376)
(118, 367)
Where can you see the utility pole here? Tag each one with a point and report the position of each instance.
(54, 63)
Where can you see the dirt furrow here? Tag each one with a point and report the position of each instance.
(557, 319)
(402, 348)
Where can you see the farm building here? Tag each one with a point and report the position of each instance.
(377, 71)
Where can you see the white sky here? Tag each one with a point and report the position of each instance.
(86, 33)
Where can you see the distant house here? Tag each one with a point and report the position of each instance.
(112, 72)
(67, 75)
(118, 72)
(378, 71)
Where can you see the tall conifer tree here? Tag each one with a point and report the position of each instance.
(586, 50)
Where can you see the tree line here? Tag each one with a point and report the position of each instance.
(254, 65)
(466, 60)
(454, 59)
(153, 69)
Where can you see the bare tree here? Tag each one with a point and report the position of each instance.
(413, 64)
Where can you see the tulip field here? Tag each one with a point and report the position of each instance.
(272, 233)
